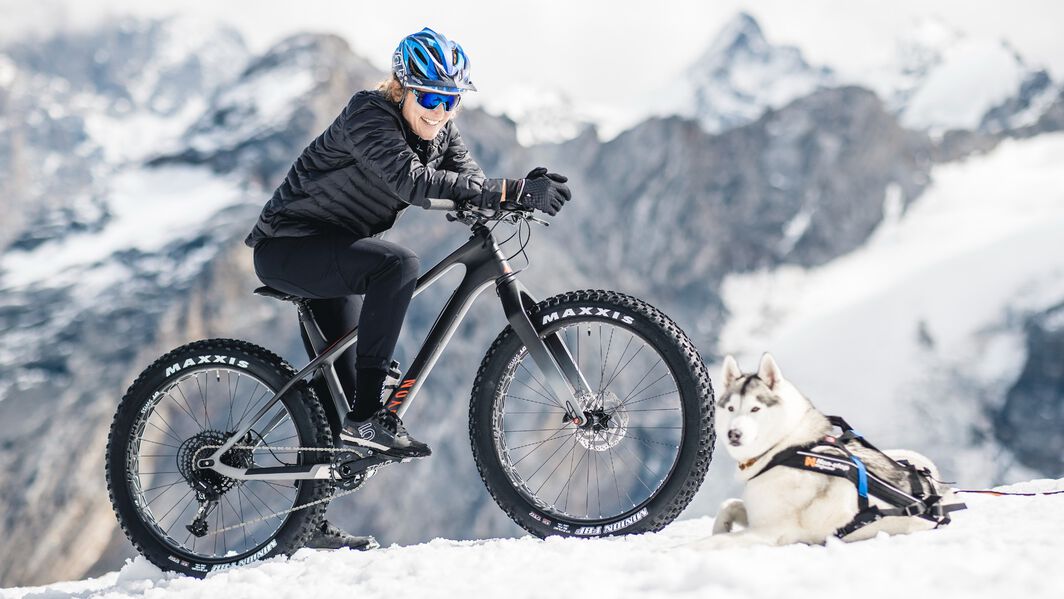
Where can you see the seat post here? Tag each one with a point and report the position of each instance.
(318, 343)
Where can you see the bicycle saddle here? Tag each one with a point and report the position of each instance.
(275, 294)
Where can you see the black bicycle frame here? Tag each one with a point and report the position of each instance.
(484, 264)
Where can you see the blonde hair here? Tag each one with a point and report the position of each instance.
(392, 89)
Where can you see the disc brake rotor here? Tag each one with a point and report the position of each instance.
(607, 422)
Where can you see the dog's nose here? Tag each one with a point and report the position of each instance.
(734, 435)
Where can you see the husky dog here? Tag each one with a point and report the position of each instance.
(760, 415)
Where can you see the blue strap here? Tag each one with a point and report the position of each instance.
(862, 476)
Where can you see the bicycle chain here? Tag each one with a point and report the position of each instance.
(332, 474)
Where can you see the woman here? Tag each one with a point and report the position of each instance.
(319, 236)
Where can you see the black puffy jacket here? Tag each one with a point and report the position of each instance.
(368, 166)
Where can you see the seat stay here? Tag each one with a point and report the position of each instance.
(329, 356)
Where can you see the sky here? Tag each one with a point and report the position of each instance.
(599, 53)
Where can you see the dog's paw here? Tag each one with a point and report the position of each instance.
(732, 513)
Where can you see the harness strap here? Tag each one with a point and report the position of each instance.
(914, 504)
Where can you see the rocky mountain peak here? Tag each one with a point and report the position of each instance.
(741, 35)
(741, 74)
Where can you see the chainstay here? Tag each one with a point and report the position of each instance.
(295, 508)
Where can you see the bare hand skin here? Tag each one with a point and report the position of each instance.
(425, 123)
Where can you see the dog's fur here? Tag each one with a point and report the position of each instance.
(759, 415)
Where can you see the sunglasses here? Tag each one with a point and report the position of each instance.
(430, 100)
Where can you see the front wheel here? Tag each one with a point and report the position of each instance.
(647, 442)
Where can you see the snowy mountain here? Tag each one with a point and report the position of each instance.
(741, 74)
(942, 79)
(541, 115)
(962, 559)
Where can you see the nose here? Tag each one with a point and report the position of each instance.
(734, 436)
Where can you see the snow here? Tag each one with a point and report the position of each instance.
(973, 77)
(142, 134)
(271, 95)
(8, 70)
(879, 335)
(999, 545)
(541, 115)
(148, 207)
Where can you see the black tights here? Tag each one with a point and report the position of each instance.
(334, 271)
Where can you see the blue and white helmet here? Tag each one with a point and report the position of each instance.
(428, 60)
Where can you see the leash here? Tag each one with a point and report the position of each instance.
(1007, 493)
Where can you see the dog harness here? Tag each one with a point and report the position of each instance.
(916, 501)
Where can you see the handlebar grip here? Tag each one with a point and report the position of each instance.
(440, 204)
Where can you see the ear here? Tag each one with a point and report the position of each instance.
(730, 372)
(769, 371)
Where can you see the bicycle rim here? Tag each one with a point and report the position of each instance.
(622, 457)
(181, 422)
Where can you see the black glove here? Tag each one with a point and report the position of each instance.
(544, 191)
(540, 190)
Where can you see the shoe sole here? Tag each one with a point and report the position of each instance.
(381, 449)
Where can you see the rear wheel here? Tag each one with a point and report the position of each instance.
(179, 409)
(648, 437)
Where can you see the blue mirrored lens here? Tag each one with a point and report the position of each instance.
(430, 100)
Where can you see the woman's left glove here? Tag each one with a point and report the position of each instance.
(540, 189)
(545, 191)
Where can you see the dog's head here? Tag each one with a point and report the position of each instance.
(756, 411)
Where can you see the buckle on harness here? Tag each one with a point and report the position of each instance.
(913, 509)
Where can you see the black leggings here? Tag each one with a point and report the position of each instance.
(333, 271)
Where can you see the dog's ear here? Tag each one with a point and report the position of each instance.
(769, 371)
(730, 371)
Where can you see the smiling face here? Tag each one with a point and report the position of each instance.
(425, 123)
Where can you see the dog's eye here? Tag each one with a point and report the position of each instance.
(755, 409)
(731, 408)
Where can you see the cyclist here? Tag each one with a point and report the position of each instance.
(319, 236)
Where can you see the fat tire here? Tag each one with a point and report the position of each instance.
(696, 392)
(306, 413)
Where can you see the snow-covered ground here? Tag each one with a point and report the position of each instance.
(999, 546)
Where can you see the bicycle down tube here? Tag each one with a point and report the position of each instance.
(484, 264)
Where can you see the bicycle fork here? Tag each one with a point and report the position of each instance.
(560, 372)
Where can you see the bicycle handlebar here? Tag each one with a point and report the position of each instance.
(440, 204)
(470, 214)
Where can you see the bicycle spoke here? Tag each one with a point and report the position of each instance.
(560, 462)
(541, 384)
(602, 373)
(549, 405)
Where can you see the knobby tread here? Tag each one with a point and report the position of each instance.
(137, 393)
(702, 382)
